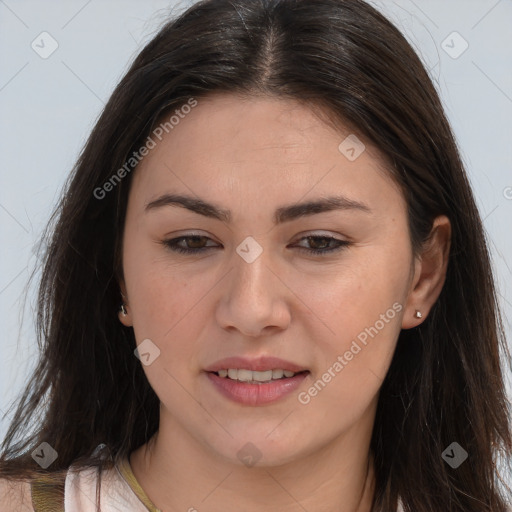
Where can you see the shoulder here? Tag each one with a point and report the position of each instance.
(15, 496)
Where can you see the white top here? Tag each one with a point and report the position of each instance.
(116, 493)
(120, 492)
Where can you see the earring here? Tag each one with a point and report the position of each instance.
(418, 314)
(123, 310)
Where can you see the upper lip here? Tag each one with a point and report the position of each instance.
(262, 363)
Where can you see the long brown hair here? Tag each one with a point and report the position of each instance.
(445, 382)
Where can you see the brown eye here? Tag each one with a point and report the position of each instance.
(321, 244)
(197, 245)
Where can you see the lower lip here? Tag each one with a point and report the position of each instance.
(256, 394)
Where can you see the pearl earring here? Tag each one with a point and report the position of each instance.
(123, 310)
(418, 314)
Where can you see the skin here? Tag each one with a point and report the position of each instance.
(251, 157)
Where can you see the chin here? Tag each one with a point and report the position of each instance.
(256, 449)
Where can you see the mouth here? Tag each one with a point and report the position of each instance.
(257, 381)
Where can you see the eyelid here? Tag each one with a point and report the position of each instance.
(318, 233)
(298, 237)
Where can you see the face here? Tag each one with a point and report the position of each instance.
(252, 286)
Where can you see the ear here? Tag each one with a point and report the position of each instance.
(429, 273)
(124, 319)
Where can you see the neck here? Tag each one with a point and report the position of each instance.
(178, 473)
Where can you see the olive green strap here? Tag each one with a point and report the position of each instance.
(48, 493)
(126, 472)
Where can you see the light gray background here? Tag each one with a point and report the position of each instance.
(48, 107)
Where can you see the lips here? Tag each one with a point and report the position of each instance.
(256, 394)
(241, 385)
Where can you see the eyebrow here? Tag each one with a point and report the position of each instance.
(281, 215)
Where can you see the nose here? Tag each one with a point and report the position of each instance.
(254, 298)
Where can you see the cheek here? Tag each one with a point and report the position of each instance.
(167, 310)
(155, 295)
(168, 304)
(353, 294)
(358, 310)
(352, 361)
(155, 286)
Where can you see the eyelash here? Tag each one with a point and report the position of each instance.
(172, 245)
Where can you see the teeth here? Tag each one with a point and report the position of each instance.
(253, 376)
(244, 375)
(277, 374)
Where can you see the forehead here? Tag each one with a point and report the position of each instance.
(228, 145)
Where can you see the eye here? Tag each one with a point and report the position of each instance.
(197, 244)
(322, 241)
(320, 244)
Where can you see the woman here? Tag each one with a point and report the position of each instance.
(268, 284)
